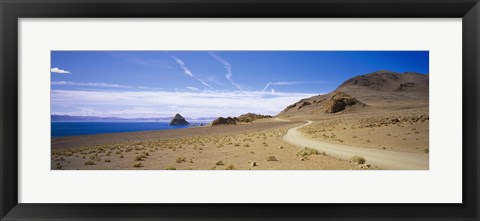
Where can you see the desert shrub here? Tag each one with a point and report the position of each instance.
(59, 166)
(230, 167)
(170, 168)
(358, 159)
(181, 159)
(89, 163)
(108, 161)
(426, 150)
(271, 158)
(140, 158)
(309, 151)
(219, 163)
(138, 165)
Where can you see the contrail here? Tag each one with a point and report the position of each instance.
(188, 72)
(228, 67)
(268, 85)
(292, 83)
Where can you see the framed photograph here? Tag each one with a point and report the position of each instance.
(248, 110)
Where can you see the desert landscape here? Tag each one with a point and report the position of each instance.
(375, 121)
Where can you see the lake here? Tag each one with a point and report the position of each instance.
(61, 129)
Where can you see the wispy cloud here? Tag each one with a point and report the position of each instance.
(59, 71)
(89, 84)
(228, 67)
(192, 88)
(99, 84)
(293, 83)
(195, 104)
(188, 72)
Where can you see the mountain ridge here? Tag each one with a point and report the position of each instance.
(362, 92)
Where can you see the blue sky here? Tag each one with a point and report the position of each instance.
(207, 83)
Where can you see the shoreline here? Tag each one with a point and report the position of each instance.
(58, 128)
(109, 138)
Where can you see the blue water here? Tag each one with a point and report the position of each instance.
(61, 129)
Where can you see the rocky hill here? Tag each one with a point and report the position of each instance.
(178, 120)
(244, 118)
(377, 89)
(386, 81)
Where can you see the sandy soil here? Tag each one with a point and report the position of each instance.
(256, 146)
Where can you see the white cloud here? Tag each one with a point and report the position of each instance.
(228, 67)
(192, 88)
(100, 84)
(89, 84)
(188, 72)
(59, 71)
(167, 103)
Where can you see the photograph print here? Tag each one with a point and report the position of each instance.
(239, 110)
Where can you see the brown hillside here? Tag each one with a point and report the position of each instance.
(381, 89)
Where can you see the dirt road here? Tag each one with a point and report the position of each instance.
(389, 160)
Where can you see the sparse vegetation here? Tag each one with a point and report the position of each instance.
(230, 167)
(358, 159)
(181, 159)
(171, 168)
(306, 151)
(272, 158)
(140, 158)
(219, 163)
(138, 165)
(89, 163)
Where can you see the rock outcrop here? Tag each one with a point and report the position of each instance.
(224, 121)
(244, 118)
(339, 101)
(178, 120)
(249, 117)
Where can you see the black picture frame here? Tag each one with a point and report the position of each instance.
(12, 10)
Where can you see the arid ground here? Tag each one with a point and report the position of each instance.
(374, 121)
(255, 146)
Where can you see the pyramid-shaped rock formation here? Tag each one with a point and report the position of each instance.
(178, 120)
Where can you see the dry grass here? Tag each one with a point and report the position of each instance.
(306, 151)
(230, 167)
(358, 159)
(272, 158)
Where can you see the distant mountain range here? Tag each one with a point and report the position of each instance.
(66, 118)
